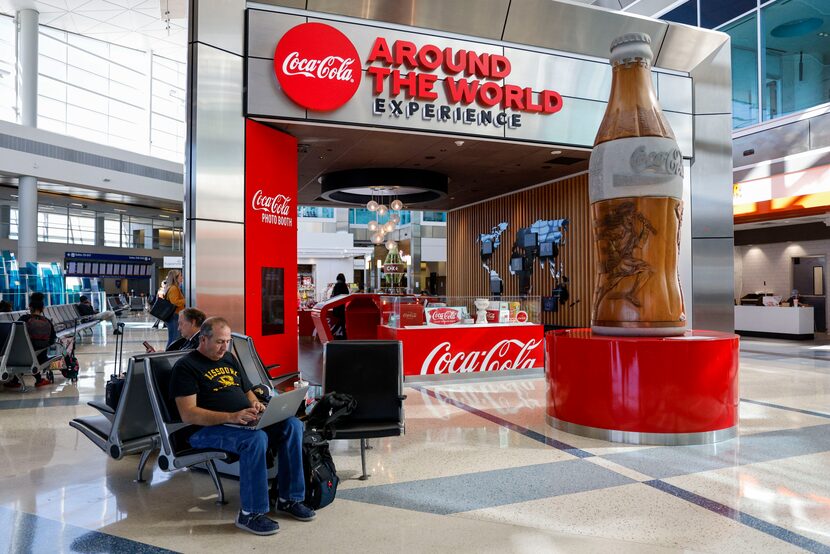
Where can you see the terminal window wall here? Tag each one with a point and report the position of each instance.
(362, 216)
(744, 70)
(101, 92)
(8, 70)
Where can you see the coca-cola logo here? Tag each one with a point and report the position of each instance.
(443, 316)
(276, 208)
(317, 66)
(668, 162)
(521, 316)
(505, 354)
(492, 316)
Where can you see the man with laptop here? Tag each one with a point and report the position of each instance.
(212, 390)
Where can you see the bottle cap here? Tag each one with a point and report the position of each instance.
(631, 46)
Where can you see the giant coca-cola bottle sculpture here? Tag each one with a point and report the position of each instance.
(636, 185)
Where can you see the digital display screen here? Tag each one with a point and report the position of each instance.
(486, 248)
(495, 286)
(93, 268)
(517, 264)
(87, 268)
(273, 301)
(531, 240)
(109, 269)
(546, 250)
(71, 267)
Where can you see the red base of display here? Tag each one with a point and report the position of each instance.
(675, 385)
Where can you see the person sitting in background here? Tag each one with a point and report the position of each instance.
(211, 389)
(86, 310)
(5, 307)
(190, 324)
(41, 333)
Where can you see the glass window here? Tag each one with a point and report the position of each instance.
(684, 13)
(8, 70)
(796, 39)
(435, 216)
(315, 212)
(112, 230)
(744, 71)
(718, 12)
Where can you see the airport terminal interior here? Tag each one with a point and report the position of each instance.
(433, 174)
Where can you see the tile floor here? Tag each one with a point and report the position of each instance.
(477, 471)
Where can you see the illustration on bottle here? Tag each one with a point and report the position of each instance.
(635, 187)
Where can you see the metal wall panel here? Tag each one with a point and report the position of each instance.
(713, 82)
(712, 177)
(820, 131)
(264, 92)
(576, 28)
(685, 48)
(567, 76)
(713, 292)
(218, 259)
(217, 137)
(576, 124)
(481, 18)
(682, 125)
(220, 23)
(674, 92)
(772, 144)
(265, 29)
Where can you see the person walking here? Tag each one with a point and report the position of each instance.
(172, 292)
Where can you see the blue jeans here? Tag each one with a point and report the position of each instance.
(286, 437)
(172, 329)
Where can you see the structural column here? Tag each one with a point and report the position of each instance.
(27, 39)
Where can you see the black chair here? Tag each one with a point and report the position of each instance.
(256, 371)
(20, 357)
(371, 371)
(131, 427)
(176, 452)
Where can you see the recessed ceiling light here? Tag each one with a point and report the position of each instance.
(459, 143)
(164, 216)
(13, 195)
(76, 204)
(555, 152)
(119, 210)
(823, 34)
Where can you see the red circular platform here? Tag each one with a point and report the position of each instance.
(643, 390)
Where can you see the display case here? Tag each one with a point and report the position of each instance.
(404, 311)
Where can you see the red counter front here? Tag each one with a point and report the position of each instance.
(677, 390)
(468, 348)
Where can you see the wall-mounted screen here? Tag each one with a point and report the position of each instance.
(273, 301)
(495, 286)
(93, 270)
(546, 250)
(517, 264)
(486, 248)
(71, 267)
(531, 240)
(109, 269)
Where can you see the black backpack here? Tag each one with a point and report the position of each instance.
(320, 474)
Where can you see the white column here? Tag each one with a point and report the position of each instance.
(27, 39)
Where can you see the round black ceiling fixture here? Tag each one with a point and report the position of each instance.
(358, 186)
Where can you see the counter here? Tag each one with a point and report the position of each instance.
(774, 322)
(435, 352)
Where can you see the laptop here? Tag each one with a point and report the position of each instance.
(280, 408)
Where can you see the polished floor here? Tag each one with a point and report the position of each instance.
(477, 471)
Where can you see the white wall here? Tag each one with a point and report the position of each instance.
(768, 267)
(433, 250)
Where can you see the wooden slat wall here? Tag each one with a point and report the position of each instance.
(563, 199)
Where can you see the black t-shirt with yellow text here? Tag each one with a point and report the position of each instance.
(218, 385)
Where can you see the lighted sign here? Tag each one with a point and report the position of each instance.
(319, 68)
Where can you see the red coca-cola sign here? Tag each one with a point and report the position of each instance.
(521, 316)
(317, 66)
(503, 355)
(443, 316)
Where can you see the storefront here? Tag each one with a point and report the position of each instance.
(283, 100)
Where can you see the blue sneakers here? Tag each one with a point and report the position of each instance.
(297, 510)
(258, 524)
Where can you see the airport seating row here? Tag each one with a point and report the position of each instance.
(64, 317)
(19, 358)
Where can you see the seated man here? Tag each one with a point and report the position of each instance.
(190, 321)
(86, 310)
(41, 333)
(211, 389)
